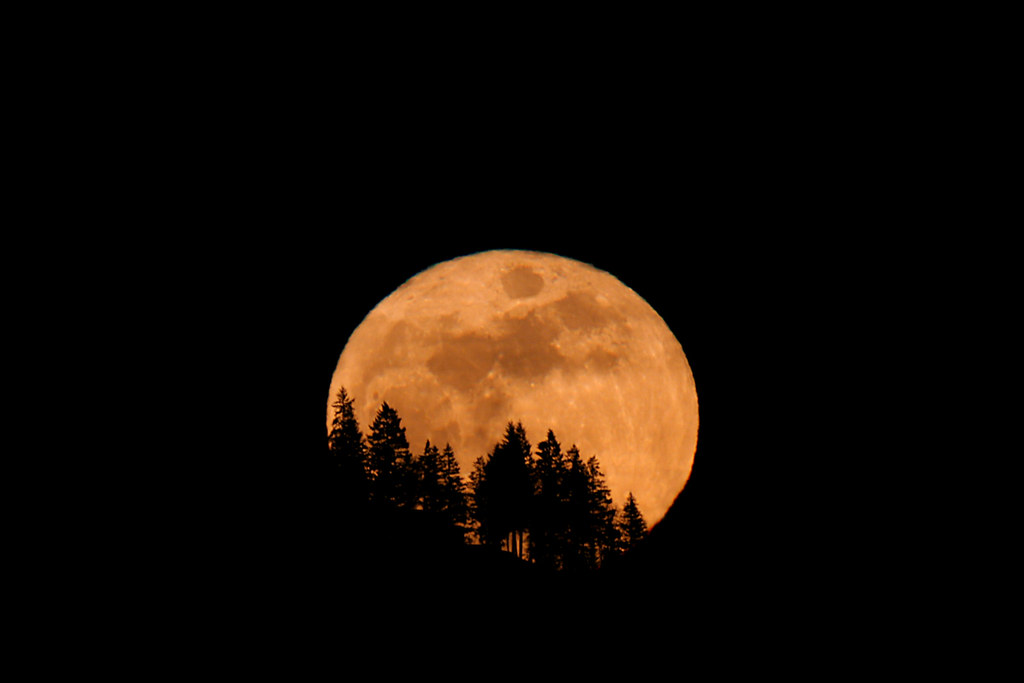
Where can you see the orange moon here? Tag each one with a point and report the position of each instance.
(470, 344)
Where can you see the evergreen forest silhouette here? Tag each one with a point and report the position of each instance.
(544, 506)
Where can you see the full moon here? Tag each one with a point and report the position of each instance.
(470, 344)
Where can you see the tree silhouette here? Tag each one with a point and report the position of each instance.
(440, 489)
(631, 525)
(453, 499)
(552, 508)
(547, 514)
(348, 448)
(503, 489)
(575, 518)
(578, 551)
(602, 534)
(392, 479)
(479, 503)
(430, 493)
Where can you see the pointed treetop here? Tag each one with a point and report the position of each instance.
(343, 410)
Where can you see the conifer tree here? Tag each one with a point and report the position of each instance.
(502, 491)
(601, 533)
(558, 502)
(348, 447)
(430, 489)
(576, 497)
(589, 514)
(547, 533)
(389, 461)
(631, 525)
(480, 503)
(453, 489)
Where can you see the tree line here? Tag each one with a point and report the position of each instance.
(544, 505)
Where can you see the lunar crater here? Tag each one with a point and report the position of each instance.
(581, 311)
(522, 283)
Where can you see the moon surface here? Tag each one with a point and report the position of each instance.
(470, 344)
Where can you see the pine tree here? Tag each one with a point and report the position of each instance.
(502, 491)
(453, 489)
(348, 447)
(430, 489)
(576, 499)
(631, 525)
(602, 535)
(590, 531)
(547, 514)
(480, 502)
(557, 501)
(389, 461)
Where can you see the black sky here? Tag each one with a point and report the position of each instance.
(739, 270)
(755, 218)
